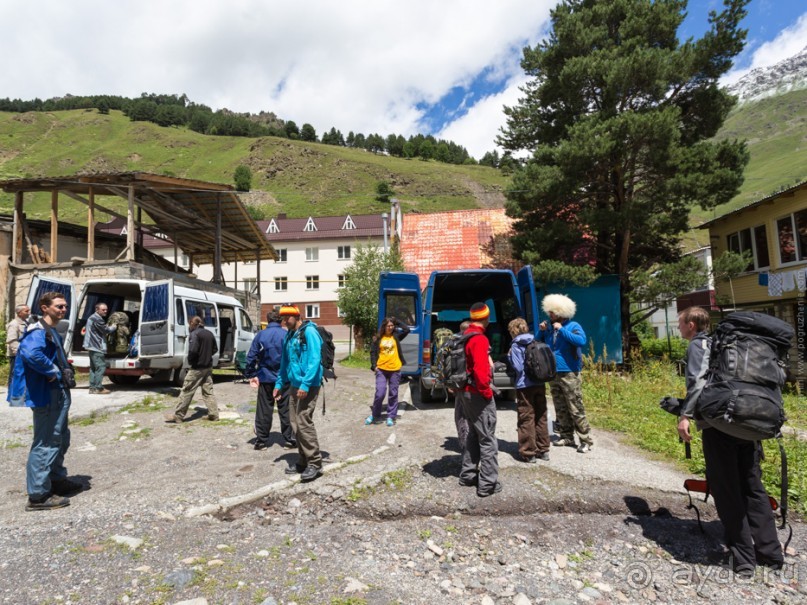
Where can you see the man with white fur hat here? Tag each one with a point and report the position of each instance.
(566, 338)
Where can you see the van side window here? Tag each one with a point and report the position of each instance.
(246, 322)
(180, 314)
(402, 306)
(204, 310)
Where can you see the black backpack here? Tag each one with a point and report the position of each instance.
(328, 350)
(539, 362)
(747, 369)
(451, 368)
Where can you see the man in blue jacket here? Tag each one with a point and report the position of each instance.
(42, 381)
(566, 337)
(301, 369)
(263, 364)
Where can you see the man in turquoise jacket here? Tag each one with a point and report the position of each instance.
(566, 337)
(301, 367)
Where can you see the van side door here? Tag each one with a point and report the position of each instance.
(157, 320)
(399, 297)
(245, 333)
(39, 286)
(528, 298)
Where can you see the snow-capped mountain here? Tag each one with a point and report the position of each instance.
(787, 75)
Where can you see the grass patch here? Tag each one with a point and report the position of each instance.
(94, 417)
(149, 403)
(397, 479)
(358, 359)
(628, 404)
(10, 444)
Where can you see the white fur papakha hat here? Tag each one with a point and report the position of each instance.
(560, 305)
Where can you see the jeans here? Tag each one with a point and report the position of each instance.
(50, 444)
(384, 379)
(97, 369)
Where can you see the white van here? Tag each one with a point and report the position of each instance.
(158, 313)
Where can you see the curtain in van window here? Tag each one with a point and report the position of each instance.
(49, 286)
(155, 303)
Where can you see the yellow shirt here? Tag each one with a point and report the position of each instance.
(388, 355)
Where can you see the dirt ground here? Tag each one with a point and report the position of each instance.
(176, 513)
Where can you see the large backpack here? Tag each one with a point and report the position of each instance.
(747, 362)
(539, 361)
(451, 368)
(328, 350)
(439, 340)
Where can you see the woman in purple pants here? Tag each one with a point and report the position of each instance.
(386, 360)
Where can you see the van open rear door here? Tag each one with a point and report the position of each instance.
(529, 298)
(399, 297)
(39, 286)
(157, 320)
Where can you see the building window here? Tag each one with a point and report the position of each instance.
(282, 255)
(312, 311)
(343, 252)
(281, 284)
(273, 228)
(312, 282)
(310, 225)
(250, 284)
(341, 281)
(311, 254)
(340, 313)
(753, 240)
(791, 231)
(348, 224)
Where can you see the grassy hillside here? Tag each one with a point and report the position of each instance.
(297, 178)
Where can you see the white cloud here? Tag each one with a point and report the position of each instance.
(361, 65)
(790, 41)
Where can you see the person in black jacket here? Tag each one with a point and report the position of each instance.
(386, 360)
(201, 348)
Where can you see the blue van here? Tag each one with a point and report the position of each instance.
(448, 296)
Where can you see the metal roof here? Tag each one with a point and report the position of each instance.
(770, 198)
(183, 209)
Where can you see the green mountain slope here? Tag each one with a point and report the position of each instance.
(297, 178)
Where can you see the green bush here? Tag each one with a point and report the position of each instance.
(658, 348)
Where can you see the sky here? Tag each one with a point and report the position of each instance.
(441, 67)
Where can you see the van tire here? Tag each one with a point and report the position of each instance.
(178, 377)
(123, 379)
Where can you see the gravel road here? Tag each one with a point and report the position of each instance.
(192, 513)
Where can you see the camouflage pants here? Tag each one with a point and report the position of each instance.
(567, 395)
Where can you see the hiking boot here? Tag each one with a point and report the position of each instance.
(212, 418)
(467, 483)
(290, 445)
(47, 503)
(565, 442)
(65, 487)
(369, 420)
(294, 469)
(494, 490)
(544, 456)
(260, 445)
(529, 459)
(310, 473)
(584, 448)
(390, 422)
(172, 419)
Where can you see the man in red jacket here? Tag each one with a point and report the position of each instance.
(481, 448)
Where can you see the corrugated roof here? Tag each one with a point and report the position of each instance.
(184, 209)
(770, 198)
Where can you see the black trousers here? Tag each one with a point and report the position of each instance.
(265, 409)
(733, 474)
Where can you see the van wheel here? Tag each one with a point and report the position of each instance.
(179, 377)
(162, 376)
(123, 379)
(425, 394)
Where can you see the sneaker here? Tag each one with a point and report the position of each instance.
(260, 445)
(467, 483)
(369, 420)
(584, 448)
(565, 442)
(310, 473)
(47, 503)
(529, 459)
(290, 445)
(494, 490)
(294, 469)
(65, 487)
(390, 422)
(172, 419)
(212, 418)
(544, 457)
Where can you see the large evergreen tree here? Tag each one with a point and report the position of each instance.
(617, 117)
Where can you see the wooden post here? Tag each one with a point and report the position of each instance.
(16, 251)
(54, 226)
(130, 246)
(217, 274)
(258, 281)
(91, 225)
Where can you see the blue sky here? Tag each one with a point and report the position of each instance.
(442, 67)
